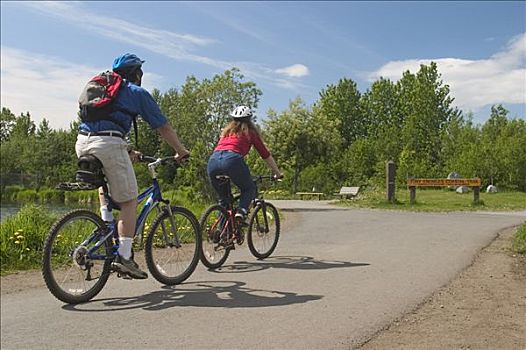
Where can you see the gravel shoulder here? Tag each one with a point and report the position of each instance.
(483, 308)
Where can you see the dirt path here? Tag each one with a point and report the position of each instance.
(483, 308)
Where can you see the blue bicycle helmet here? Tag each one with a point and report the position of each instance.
(127, 62)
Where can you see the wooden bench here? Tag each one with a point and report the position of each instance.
(348, 192)
(317, 194)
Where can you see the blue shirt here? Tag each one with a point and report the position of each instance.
(132, 98)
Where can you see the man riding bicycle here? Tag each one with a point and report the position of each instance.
(105, 139)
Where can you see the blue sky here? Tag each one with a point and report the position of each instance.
(50, 49)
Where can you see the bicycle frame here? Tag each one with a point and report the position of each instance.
(154, 195)
(230, 219)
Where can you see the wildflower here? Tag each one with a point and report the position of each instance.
(17, 242)
(20, 231)
(20, 237)
(28, 249)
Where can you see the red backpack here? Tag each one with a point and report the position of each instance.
(97, 97)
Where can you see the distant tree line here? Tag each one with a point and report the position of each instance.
(343, 139)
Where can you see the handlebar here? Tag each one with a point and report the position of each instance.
(153, 161)
(272, 178)
(147, 159)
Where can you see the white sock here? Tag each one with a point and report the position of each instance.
(106, 214)
(125, 247)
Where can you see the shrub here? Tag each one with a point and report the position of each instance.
(9, 193)
(519, 241)
(81, 197)
(49, 195)
(22, 238)
(26, 196)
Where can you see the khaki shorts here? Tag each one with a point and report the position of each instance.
(113, 153)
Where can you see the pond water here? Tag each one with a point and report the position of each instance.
(9, 209)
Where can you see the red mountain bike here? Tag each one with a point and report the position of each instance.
(221, 231)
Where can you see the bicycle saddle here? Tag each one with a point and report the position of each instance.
(90, 170)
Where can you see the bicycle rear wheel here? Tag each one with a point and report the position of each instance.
(72, 274)
(213, 253)
(263, 230)
(172, 251)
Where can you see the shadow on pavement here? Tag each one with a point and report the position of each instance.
(286, 262)
(215, 294)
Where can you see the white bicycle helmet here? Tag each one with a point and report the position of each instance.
(241, 112)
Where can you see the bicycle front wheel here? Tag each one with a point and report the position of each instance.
(172, 246)
(213, 250)
(263, 230)
(74, 271)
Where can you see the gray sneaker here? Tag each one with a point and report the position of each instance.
(241, 216)
(128, 267)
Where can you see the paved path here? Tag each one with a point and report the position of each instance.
(337, 277)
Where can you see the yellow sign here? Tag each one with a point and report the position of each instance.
(444, 182)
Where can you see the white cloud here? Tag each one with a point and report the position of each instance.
(170, 44)
(46, 87)
(296, 70)
(475, 83)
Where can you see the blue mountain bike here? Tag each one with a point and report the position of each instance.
(80, 247)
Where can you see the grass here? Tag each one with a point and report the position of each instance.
(439, 200)
(22, 238)
(22, 235)
(519, 240)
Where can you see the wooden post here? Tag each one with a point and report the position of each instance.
(476, 194)
(390, 172)
(412, 194)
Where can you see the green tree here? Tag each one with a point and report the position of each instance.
(18, 151)
(7, 122)
(198, 111)
(381, 103)
(300, 138)
(427, 107)
(340, 103)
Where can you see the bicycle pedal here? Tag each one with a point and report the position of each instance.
(124, 276)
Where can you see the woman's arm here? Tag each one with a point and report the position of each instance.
(273, 166)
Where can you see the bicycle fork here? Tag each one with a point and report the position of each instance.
(265, 219)
(175, 241)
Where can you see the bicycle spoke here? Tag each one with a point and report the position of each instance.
(263, 232)
(215, 231)
(172, 263)
(62, 255)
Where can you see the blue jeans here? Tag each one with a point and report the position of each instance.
(232, 164)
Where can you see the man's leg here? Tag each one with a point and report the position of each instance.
(126, 227)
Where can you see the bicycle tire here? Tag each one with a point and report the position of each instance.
(160, 258)
(209, 256)
(257, 234)
(61, 248)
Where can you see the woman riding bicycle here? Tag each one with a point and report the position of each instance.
(228, 159)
